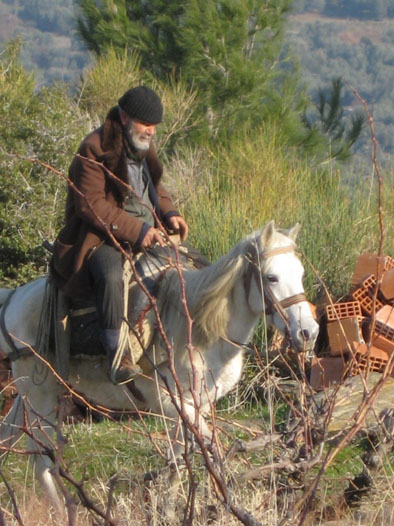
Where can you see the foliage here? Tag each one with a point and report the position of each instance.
(329, 119)
(50, 46)
(109, 76)
(228, 52)
(350, 44)
(46, 125)
(358, 52)
(121, 70)
(48, 15)
(361, 9)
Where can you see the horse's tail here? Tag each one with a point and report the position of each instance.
(4, 293)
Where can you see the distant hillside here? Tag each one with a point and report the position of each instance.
(50, 45)
(351, 39)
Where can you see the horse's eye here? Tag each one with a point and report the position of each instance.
(271, 278)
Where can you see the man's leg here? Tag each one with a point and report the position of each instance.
(105, 268)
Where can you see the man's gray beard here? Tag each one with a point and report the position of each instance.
(142, 146)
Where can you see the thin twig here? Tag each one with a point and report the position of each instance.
(11, 493)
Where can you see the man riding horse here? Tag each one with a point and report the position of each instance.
(115, 187)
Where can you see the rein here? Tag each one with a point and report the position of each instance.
(16, 353)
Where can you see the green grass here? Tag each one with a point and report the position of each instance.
(109, 449)
(96, 451)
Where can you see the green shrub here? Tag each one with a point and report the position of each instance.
(114, 73)
(45, 125)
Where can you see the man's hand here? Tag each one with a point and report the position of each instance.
(179, 225)
(152, 236)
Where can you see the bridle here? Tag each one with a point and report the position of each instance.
(254, 270)
(272, 305)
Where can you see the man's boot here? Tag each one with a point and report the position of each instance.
(126, 369)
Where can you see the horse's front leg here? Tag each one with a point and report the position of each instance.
(11, 426)
(40, 398)
(169, 482)
(183, 437)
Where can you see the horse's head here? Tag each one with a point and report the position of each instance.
(278, 272)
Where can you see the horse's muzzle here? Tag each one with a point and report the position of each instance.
(304, 339)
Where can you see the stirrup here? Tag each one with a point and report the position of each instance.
(124, 372)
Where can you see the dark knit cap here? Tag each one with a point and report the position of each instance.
(142, 103)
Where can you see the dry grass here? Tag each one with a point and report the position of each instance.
(145, 506)
(100, 452)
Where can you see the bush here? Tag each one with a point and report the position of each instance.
(114, 73)
(45, 125)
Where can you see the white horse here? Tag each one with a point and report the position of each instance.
(260, 275)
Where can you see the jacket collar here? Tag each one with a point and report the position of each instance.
(114, 155)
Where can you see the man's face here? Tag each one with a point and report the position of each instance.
(142, 134)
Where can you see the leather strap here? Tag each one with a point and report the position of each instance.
(254, 270)
(16, 353)
(74, 313)
(292, 300)
(276, 252)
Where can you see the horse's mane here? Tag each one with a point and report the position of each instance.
(207, 293)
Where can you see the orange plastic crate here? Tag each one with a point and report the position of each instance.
(338, 311)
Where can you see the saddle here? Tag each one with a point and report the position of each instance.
(76, 326)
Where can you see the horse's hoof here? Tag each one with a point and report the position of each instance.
(150, 476)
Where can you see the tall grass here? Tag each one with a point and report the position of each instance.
(226, 192)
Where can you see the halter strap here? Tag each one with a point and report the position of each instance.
(276, 251)
(292, 300)
(16, 353)
(273, 303)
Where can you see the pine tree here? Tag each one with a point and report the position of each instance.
(329, 118)
(227, 50)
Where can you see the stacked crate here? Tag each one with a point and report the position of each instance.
(344, 326)
(360, 331)
(377, 304)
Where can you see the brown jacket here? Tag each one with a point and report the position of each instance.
(99, 172)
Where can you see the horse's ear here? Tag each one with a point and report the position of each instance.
(267, 233)
(293, 232)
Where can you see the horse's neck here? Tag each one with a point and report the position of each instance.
(242, 321)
